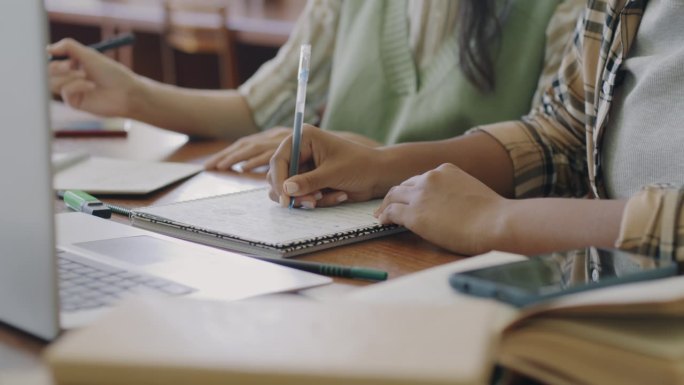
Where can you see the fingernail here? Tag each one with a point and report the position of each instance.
(290, 187)
(284, 202)
(341, 198)
(318, 196)
(307, 205)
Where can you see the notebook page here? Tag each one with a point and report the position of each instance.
(252, 216)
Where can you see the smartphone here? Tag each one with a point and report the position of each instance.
(552, 275)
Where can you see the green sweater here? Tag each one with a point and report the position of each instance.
(372, 65)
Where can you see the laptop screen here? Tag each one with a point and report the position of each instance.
(28, 289)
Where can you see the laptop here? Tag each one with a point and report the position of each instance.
(64, 273)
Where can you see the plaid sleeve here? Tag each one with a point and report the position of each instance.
(558, 36)
(653, 223)
(548, 147)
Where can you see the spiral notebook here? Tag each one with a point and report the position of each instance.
(249, 222)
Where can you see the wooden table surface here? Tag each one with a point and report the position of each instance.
(398, 254)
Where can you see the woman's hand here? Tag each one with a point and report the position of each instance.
(448, 207)
(90, 81)
(255, 150)
(332, 170)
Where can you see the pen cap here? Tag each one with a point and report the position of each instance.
(303, 77)
(304, 60)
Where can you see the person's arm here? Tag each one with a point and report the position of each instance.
(540, 225)
(203, 113)
(452, 209)
(464, 207)
(92, 82)
(342, 167)
(270, 92)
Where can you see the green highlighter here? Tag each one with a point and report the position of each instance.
(81, 201)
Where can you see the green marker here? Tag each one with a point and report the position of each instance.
(86, 203)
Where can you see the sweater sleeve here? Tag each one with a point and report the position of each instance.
(270, 92)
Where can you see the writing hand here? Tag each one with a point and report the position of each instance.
(333, 170)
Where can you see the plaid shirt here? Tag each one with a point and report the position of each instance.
(556, 149)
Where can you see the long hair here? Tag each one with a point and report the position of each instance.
(479, 25)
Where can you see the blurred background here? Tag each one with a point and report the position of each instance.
(191, 43)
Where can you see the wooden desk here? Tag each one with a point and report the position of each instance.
(398, 254)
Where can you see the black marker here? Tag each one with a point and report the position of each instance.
(105, 45)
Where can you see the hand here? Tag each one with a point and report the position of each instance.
(90, 81)
(448, 207)
(255, 150)
(340, 170)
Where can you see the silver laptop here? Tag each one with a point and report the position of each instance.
(88, 264)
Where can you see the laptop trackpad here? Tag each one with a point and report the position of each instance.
(138, 250)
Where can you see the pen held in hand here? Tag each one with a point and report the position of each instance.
(105, 45)
(302, 79)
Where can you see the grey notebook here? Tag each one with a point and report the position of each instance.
(250, 222)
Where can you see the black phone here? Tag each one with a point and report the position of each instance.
(547, 276)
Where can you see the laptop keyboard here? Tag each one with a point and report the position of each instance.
(86, 284)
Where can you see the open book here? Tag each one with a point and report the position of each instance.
(628, 334)
(410, 330)
(249, 222)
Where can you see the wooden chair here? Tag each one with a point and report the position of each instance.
(198, 26)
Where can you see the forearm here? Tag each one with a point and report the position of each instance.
(202, 113)
(478, 154)
(534, 226)
(357, 138)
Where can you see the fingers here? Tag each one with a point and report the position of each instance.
(306, 183)
(213, 162)
(398, 194)
(257, 162)
(74, 50)
(253, 156)
(73, 92)
(62, 47)
(395, 213)
(58, 82)
(332, 199)
(61, 68)
(279, 168)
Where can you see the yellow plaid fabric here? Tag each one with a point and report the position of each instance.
(556, 149)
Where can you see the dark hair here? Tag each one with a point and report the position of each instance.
(479, 25)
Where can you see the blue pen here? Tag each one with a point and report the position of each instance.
(302, 79)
